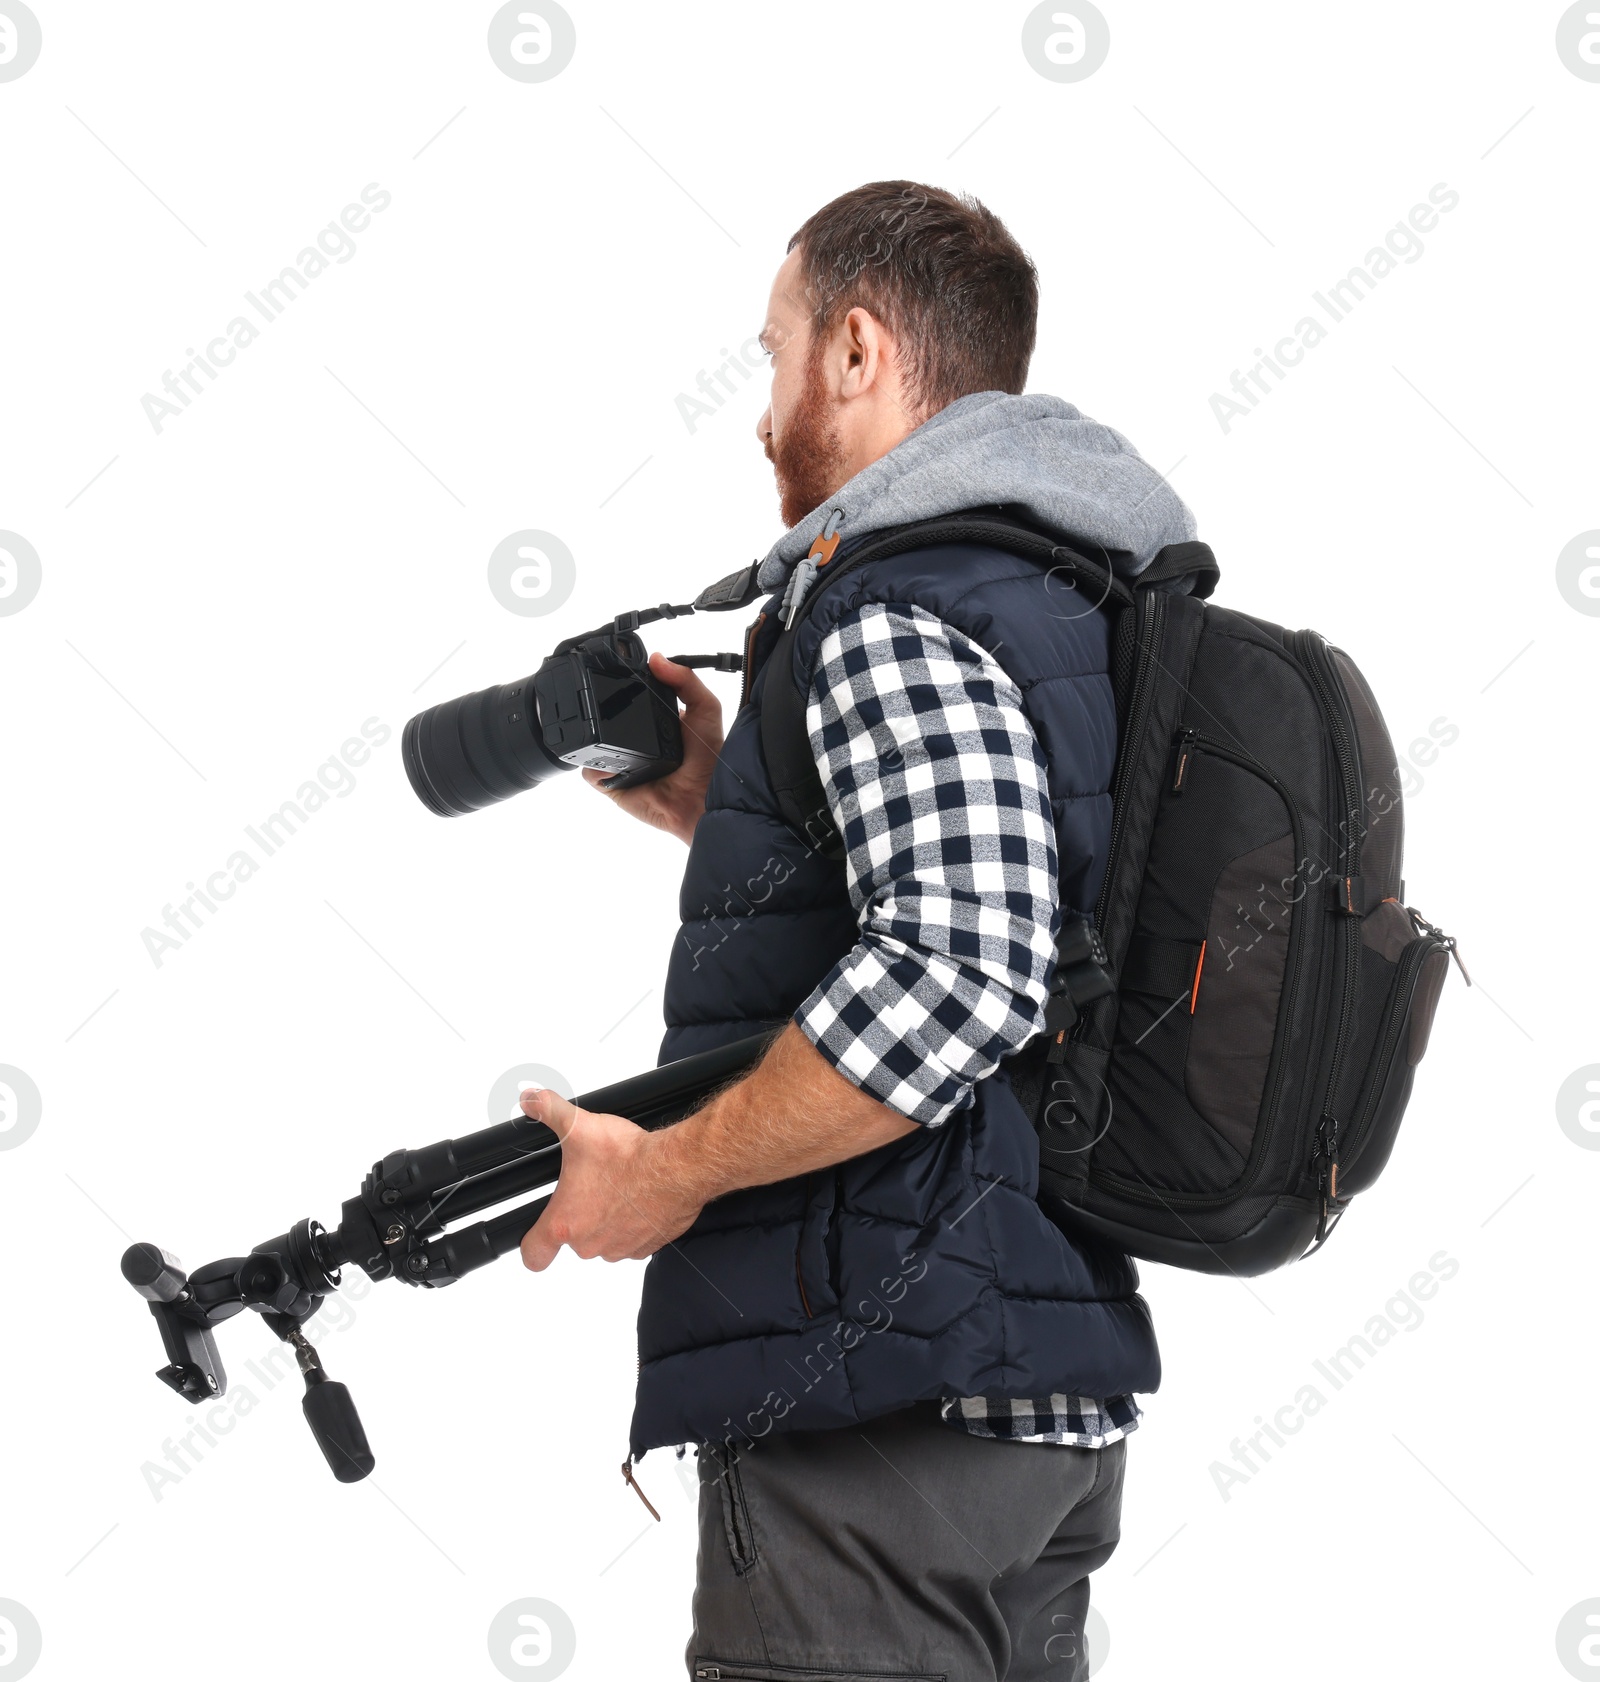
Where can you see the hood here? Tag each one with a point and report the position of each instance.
(1073, 477)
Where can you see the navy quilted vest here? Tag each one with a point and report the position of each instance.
(924, 1268)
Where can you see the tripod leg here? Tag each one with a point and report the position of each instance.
(442, 1261)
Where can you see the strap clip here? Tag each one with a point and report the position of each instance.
(1349, 895)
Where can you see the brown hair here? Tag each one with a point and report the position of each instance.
(942, 273)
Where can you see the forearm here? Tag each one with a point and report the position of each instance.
(794, 1113)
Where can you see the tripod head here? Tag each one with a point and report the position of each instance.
(394, 1228)
(284, 1280)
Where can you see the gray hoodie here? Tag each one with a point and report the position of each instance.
(1074, 477)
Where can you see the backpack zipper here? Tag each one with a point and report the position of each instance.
(737, 1670)
(1186, 742)
(1314, 657)
(1138, 707)
(1313, 652)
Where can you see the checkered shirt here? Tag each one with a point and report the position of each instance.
(1074, 1420)
(938, 787)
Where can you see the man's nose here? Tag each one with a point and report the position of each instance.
(764, 425)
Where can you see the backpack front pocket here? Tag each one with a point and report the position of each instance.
(1397, 1031)
(1238, 989)
(1206, 980)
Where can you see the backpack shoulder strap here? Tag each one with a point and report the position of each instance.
(786, 746)
(784, 741)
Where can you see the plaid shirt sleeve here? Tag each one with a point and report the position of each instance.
(938, 787)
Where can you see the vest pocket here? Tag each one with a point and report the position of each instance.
(816, 1248)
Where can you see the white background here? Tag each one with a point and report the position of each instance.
(230, 598)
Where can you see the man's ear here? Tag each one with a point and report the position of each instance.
(864, 349)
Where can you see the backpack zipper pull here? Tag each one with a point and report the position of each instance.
(1326, 1151)
(1449, 940)
(633, 1483)
(1186, 740)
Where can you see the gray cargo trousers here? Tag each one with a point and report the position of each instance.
(899, 1551)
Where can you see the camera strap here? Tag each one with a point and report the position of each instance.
(727, 595)
(737, 590)
(710, 662)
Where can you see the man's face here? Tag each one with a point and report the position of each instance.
(798, 430)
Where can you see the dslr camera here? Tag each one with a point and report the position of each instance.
(594, 702)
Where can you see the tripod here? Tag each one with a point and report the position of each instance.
(394, 1228)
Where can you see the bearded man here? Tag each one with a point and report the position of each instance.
(910, 1392)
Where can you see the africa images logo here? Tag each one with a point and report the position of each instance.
(20, 573)
(532, 40)
(1578, 40)
(1066, 40)
(20, 40)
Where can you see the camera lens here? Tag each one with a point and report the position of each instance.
(465, 754)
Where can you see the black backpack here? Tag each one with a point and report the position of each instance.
(1231, 1044)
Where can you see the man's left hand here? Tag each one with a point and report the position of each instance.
(624, 1192)
(612, 1200)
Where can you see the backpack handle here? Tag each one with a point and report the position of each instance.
(1182, 560)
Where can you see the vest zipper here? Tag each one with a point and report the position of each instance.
(750, 659)
(633, 1484)
(799, 1275)
(832, 1235)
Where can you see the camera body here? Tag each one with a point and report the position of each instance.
(600, 707)
(593, 703)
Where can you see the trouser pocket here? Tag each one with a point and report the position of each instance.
(740, 1670)
(720, 1465)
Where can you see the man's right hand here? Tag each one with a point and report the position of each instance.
(674, 802)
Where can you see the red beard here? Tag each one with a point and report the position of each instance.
(809, 459)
